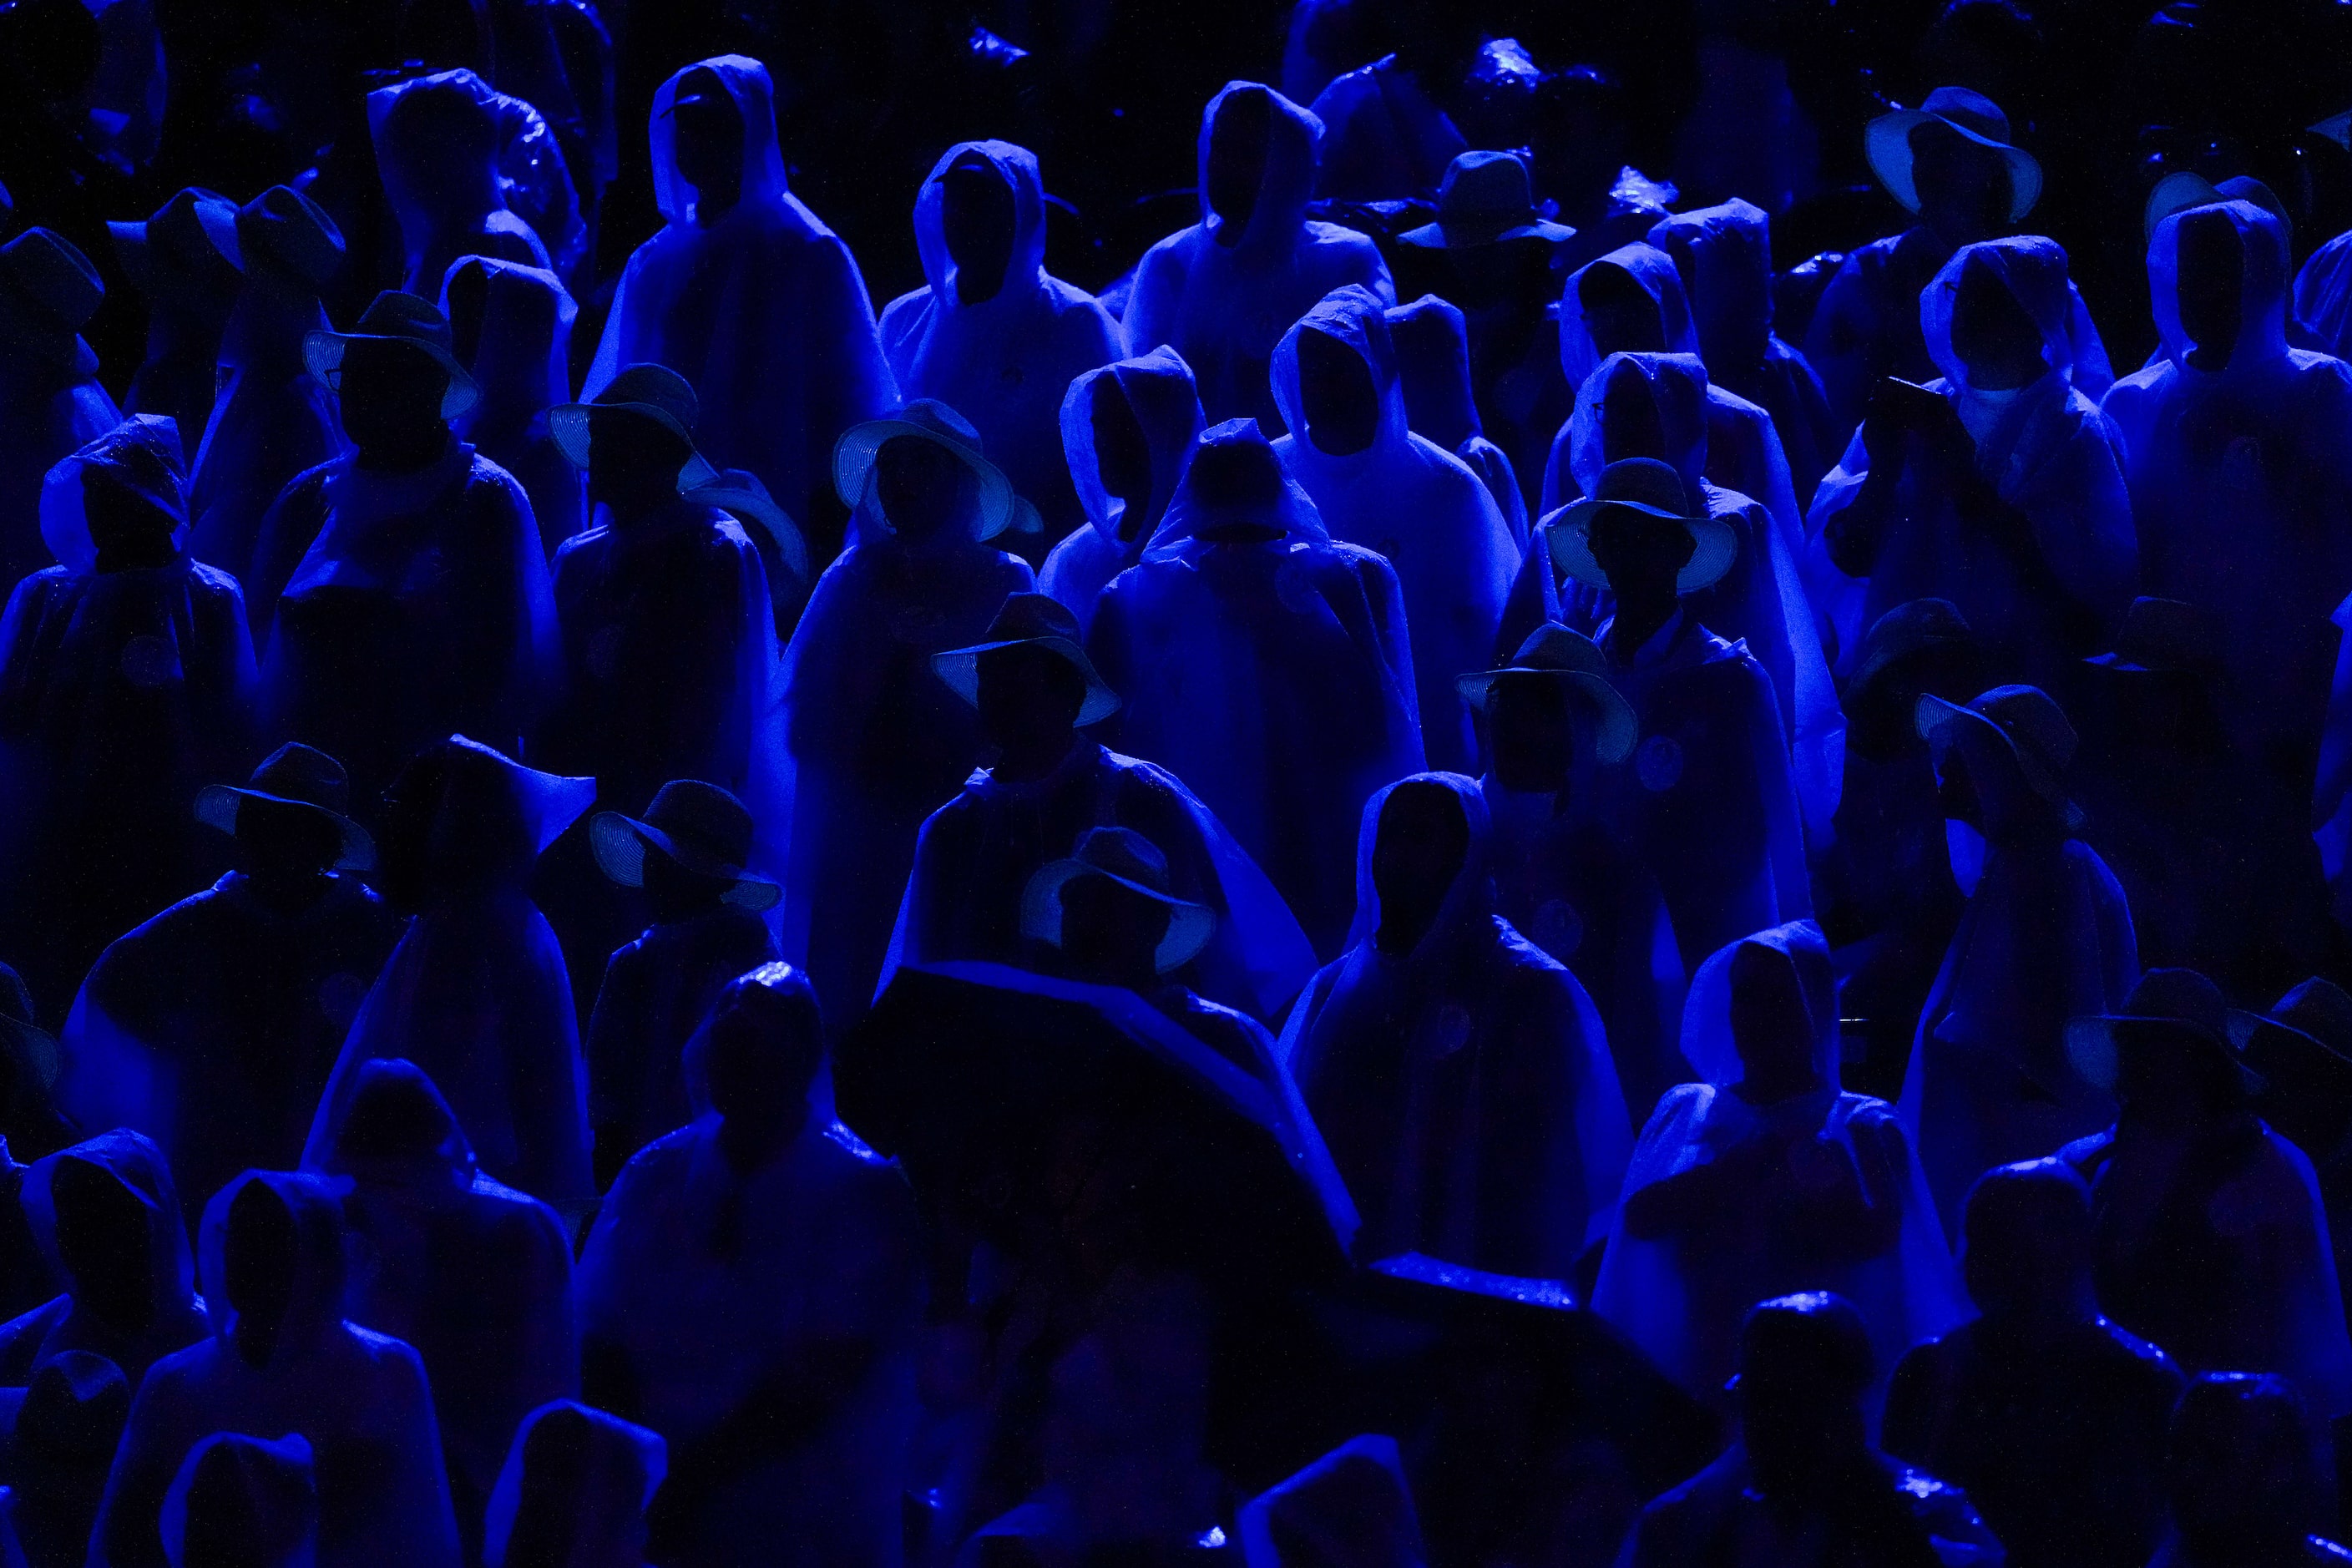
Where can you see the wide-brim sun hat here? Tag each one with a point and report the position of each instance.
(2183, 189)
(1122, 855)
(1029, 620)
(192, 236)
(396, 316)
(292, 768)
(1886, 143)
(1652, 488)
(701, 827)
(2024, 721)
(1911, 628)
(1485, 199)
(2179, 1001)
(1575, 662)
(652, 392)
(930, 420)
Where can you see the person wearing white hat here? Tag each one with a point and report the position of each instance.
(50, 401)
(415, 596)
(1951, 160)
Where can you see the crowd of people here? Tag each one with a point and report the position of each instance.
(1545, 790)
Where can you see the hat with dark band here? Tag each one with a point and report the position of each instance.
(1029, 620)
(1123, 856)
(394, 317)
(1575, 663)
(1652, 488)
(295, 777)
(701, 828)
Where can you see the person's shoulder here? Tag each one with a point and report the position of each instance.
(2117, 1346)
(1727, 404)
(901, 314)
(1338, 240)
(487, 483)
(652, 1170)
(213, 583)
(394, 1360)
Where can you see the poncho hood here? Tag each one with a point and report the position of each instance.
(1354, 317)
(1159, 387)
(1024, 271)
(1653, 270)
(1287, 179)
(1707, 1043)
(316, 1304)
(140, 1168)
(1723, 255)
(1432, 347)
(746, 81)
(1469, 901)
(1236, 477)
(521, 362)
(2263, 244)
(2034, 270)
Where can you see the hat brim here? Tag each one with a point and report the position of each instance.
(1458, 235)
(1886, 143)
(1941, 724)
(220, 807)
(2092, 1044)
(1190, 925)
(960, 667)
(1615, 727)
(1570, 529)
(743, 501)
(853, 469)
(323, 352)
(618, 841)
(567, 426)
(2176, 192)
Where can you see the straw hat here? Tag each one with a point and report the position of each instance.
(394, 317)
(700, 826)
(1123, 856)
(1652, 488)
(1029, 620)
(1887, 141)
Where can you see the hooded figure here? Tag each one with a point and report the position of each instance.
(1266, 664)
(1654, 405)
(746, 295)
(574, 1491)
(281, 1360)
(750, 1292)
(1952, 162)
(1724, 254)
(2049, 1414)
(1378, 486)
(185, 259)
(512, 328)
(245, 1501)
(2209, 1232)
(126, 685)
(272, 418)
(437, 141)
(2245, 1476)
(877, 741)
(415, 598)
(992, 331)
(476, 993)
(1432, 360)
(2008, 500)
(2239, 451)
(1222, 292)
(1128, 430)
(50, 402)
(60, 1445)
(1459, 1073)
(107, 1220)
(1766, 1176)
(1034, 689)
(2046, 937)
(475, 1277)
(1632, 301)
(212, 1027)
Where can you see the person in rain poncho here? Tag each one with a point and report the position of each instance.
(60, 1446)
(1710, 804)
(1459, 1073)
(1804, 1487)
(1632, 300)
(108, 1219)
(437, 141)
(1351, 1509)
(574, 1491)
(1128, 430)
(50, 402)
(688, 855)
(992, 330)
(748, 295)
(1999, 486)
(126, 685)
(476, 993)
(186, 261)
(2239, 452)
(1034, 690)
(1266, 665)
(212, 1027)
(1724, 254)
(665, 607)
(1564, 876)
(281, 1359)
(877, 742)
(243, 1503)
(2208, 1235)
(2046, 937)
(1767, 1175)
(791, 1251)
(416, 599)
(2245, 1478)
(2048, 1413)
(1222, 292)
(1654, 405)
(510, 326)
(1378, 486)
(1951, 162)
(475, 1277)
(1432, 359)
(1388, 132)
(272, 418)
(2301, 1048)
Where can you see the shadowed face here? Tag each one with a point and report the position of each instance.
(922, 486)
(1238, 143)
(1339, 402)
(976, 218)
(2213, 266)
(1417, 852)
(1994, 336)
(709, 143)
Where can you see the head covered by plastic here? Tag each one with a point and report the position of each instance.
(2218, 279)
(1434, 813)
(1775, 982)
(574, 1491)
(1603, 302)
(137, 475)
(1963, 314)
(1353, 319)
(1256, 167)
(1724, 254)
(1234, 489)
(1016, 167)
(1158, 397)
(746, 83)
